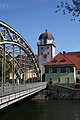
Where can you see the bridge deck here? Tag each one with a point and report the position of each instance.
(15, 93)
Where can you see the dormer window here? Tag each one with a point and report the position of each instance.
(63, 60)
(54, 60)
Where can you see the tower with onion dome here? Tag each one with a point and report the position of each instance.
(46, 49)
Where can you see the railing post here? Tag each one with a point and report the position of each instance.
(13, 69)
(3, 68)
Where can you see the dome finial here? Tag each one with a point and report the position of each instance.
(46, 30)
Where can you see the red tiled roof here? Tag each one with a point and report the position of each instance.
(65, 59)
(73, 53)
(57, 60)
(74, 59)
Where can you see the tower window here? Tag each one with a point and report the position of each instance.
(41, 53)
(47, 47)
(48, 53)
(41, 48)
(44, 41)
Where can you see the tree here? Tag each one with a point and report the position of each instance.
(73, 8)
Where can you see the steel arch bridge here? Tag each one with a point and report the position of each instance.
(18, 63)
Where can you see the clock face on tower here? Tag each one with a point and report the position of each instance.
(45, 57)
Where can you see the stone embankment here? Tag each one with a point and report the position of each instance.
(61, 92)
(58, 92)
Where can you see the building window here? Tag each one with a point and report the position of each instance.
(54, 70)
(67, 70)
(58, 80)
(50, 70)
(63, 70)
(58, 70)
(78, 72)
(68, 80)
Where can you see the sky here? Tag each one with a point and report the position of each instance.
(32, 17)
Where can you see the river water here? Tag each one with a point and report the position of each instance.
(43, 110)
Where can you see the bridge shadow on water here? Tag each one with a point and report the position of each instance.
(28, 109)
(19, 110)
(14, 108)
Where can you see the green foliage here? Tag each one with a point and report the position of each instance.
(8, 68)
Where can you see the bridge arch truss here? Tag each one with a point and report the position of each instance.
(17, 60)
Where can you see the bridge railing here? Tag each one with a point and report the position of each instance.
(9, 88)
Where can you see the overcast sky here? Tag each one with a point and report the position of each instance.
(32, 17)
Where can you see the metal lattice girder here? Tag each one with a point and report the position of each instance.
(9, 36)
(9, 60)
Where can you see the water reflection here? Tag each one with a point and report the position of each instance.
(43, 110)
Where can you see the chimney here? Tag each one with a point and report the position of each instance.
(64, 52)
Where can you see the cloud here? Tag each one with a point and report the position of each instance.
(9, 5)
(3, 5)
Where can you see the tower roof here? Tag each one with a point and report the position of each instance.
(46, 35)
